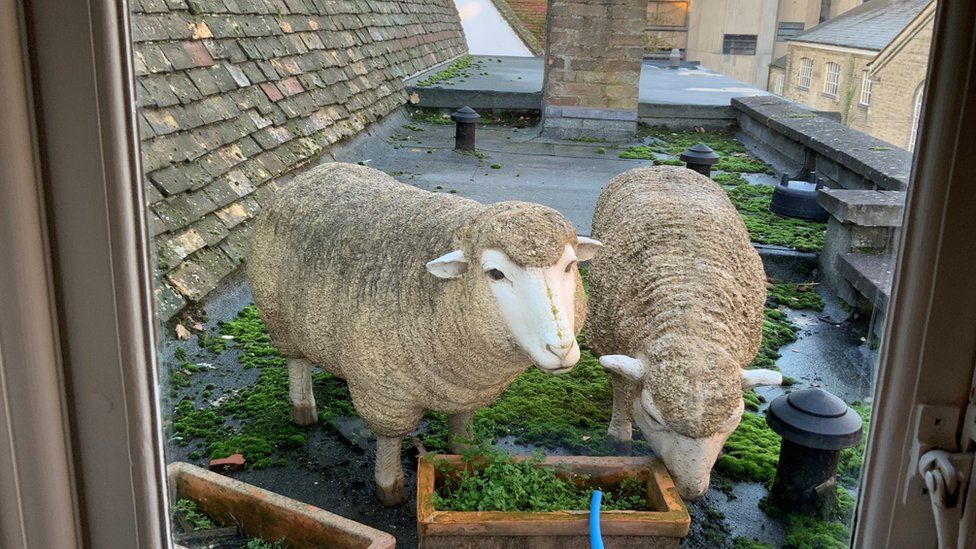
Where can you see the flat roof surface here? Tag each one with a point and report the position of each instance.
(688, 85)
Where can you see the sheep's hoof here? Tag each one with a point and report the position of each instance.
(304, 414)
(391, 495)
(619, 447)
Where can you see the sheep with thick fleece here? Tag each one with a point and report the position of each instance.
(420, 301)
(676, 313)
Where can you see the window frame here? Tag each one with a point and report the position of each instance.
(805, 76)
(916, 116)
(831, 79)
(779, 83)
(731, 44)
(792, 31)
(866, 85)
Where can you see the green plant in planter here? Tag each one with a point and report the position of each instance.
(494, 481)
(188, 510)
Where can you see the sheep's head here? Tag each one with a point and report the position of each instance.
(689, 440)
(522, 259)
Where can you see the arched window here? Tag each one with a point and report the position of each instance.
(832, 79)
(916, 115)
(806, 73)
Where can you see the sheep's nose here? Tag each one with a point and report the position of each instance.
(561, 349)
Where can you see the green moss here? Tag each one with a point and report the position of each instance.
(777, 331)
(668, 162)
(796, 296)
(765, 227)
(255, 420)
(188, 510)
(255, 543)
(571, 411)
(675, 142)
(742, 164)
(749, 543)
(804, 532)
(752, 400)
(713, 527)
(494, 481)
(640, 152)
(852, 459)
(751, 451)
(601, 150)
(496, 166)
(729, 179)
(413, 128)
(457, 69)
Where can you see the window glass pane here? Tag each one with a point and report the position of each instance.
(347, 267)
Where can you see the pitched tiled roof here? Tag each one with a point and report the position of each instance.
(530, 13)
(235, 95)
(870, 26)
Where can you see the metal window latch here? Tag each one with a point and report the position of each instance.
(949, 480)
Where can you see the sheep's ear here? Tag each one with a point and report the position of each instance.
(450, 265)
(586, 248)
(757, 378)
(623, 365)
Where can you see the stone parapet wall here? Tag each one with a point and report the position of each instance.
(845, 157)
(236, 94)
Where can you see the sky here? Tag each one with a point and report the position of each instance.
(487, 31)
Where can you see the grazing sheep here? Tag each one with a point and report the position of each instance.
(676, 311)
(420, 301)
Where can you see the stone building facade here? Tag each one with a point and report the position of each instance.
(235, 95)
(869, 69)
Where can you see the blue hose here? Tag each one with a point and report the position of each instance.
(596, 539)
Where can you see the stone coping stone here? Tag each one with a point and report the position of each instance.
(865, 208)
(876, 160)
(870, 274)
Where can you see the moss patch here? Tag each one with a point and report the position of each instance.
(742, 164)
(255, 420)
(640, 152)
(729, 179)
(570, 411)
(777, 331)
(796, 296)
(493, 481)
(765, 227)
(459, 69)
(852, 459)
(803, 532)
(674, 142)
(750, 543)
(751, 451)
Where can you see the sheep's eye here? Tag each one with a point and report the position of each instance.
(570, 266)
(495, 274)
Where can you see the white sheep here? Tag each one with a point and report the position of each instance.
(676, 311)
(420, 301)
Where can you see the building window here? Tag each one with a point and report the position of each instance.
(778, 86)
(832, 80)
(806, 73)
(787, 30)
(916, 115)
(739, 44)
(866, 83)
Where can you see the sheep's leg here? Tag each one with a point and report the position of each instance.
(621, 428)
(459, 433)
(300, 395)
(389, 472)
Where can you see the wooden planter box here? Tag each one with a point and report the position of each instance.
(269, 516)
(660, 528)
